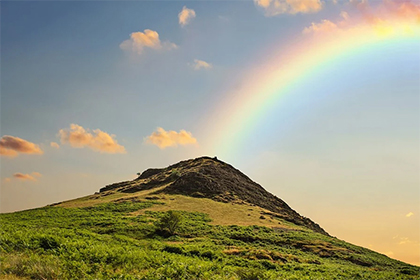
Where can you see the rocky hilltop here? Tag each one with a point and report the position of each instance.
(211, 178)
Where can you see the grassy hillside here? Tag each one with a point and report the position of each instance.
(117, 236)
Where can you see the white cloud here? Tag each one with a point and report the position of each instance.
(201, 64)
(148, 39)
(185, 16)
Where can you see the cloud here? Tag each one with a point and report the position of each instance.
(406, 10)
(185, 16)
(388, 18)
(405, 240)
(360, 4)
(409, 214)
(11, 146)
(276, 7)
(345, 15)
(97, 140)
(27, 177)
(201, 64)
(54, 145)
(164, 139)
(148, 39)
(323, 26)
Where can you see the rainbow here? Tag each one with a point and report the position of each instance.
(243, 109)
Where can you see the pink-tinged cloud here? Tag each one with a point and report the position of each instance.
(148, 39)
(54, 145)
(277, 7)
(11, 146)
(164, 139)
(97, 140)
(27, 177)
(185, 16)
(323, 26)
(388, 18)
(407, 10)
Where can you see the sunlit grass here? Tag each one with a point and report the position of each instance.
(122, 241)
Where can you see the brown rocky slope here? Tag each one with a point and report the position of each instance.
(211, 178)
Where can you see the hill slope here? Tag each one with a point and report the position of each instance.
(211, 178)
(228, 231)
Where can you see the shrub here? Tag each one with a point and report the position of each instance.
(170, 222)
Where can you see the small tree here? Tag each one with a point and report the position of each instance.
(170, 222)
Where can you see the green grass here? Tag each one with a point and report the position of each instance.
(107, 241)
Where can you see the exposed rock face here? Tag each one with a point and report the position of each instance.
(214, 179)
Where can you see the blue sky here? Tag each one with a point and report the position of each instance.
(340, 145)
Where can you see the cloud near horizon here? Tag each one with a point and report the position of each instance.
(11, 146)
(185, 16)
(164, 139)
(148, 39)
(409, 214)
(97, 140)
(277, 7)
(201, 64)
(27, 177)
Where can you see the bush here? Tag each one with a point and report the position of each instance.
(170, 222)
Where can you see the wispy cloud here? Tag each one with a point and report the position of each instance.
(185, 16)
(27, 177)
(97, 140)
(164, 139)
(277, 7)
(55, 145)
(323, 26)
(201, 64)
(405, 240)
(11, 146)
(148, 39)
(409, 214)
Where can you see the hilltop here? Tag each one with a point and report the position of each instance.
(231, 228)
(211, 178)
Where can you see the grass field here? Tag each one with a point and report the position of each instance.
(84, 239)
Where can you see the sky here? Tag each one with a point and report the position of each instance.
(316, 100)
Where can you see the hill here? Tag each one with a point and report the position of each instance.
(231, 228)
(207, 177)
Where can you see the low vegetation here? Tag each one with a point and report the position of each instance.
(128, 240)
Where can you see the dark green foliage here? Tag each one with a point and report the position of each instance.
(108, 242)
(171, 222)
